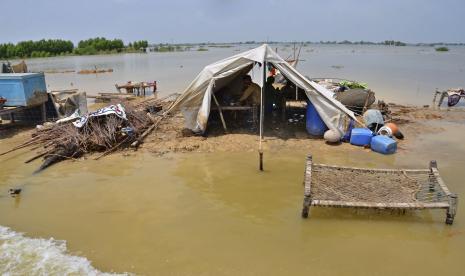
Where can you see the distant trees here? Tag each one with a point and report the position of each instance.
(54, 47)
(139, 45)
(394, 43)
(99, 44)
(41, 48)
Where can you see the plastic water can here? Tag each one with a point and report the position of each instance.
(361, 136)
(383, 144)
(315, 125)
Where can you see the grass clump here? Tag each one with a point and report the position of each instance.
(442, 49)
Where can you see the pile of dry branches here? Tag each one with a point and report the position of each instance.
(100, 134)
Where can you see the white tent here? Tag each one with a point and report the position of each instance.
(195, 102)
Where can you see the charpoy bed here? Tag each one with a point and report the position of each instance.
(401, 189)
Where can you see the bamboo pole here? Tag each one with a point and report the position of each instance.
(111, 149)
(221, 113)
(24, 145)
(38, 156)
(262, 98)
(136, 143)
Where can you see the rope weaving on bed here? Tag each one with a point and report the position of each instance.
(329, 183)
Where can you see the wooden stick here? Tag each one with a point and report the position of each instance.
(136, 143)
(24, 145)
(111, 149)
(38, 156)
(411, 171)
(349, 204)
(308, 176)
(221, 113)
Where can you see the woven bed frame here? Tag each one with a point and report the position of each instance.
(348, 187)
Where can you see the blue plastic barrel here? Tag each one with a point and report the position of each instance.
(383, 144)
(315, 125)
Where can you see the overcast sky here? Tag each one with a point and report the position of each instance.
(234, 20)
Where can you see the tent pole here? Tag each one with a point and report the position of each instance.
(262, 111)
(221, 113)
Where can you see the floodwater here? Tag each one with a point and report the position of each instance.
(399, 74)
(215, 213)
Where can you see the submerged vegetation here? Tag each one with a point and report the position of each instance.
(169, 48)
(220, 46)
(442, 49)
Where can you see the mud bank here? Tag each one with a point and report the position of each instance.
(172, 137)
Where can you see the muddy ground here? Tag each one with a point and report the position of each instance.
(172, 137)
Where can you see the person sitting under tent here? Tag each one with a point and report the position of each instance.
(230, 93)
(251, 94)
(270, 95)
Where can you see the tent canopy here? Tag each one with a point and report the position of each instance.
(195, 102)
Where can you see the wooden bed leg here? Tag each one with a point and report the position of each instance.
(441, 99)
(306, 207)
(307, 186)
(435, 94)
(432, 164)
(452, 210)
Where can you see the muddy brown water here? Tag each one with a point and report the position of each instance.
(216, 214)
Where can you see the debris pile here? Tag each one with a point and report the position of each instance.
(106, 130)
(95, 71)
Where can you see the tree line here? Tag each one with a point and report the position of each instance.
(138, 45)
(55, 47)
(50, 47)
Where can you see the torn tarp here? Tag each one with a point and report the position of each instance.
(117, 110)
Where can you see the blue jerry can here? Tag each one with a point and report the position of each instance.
(361, 136)
(383, 144)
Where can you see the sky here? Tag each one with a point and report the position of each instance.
(178, 21)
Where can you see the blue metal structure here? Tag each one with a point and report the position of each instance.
(23, 89)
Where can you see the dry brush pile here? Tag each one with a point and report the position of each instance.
(103, 134)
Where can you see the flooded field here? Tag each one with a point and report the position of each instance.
(399, 74)
(216, 214)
